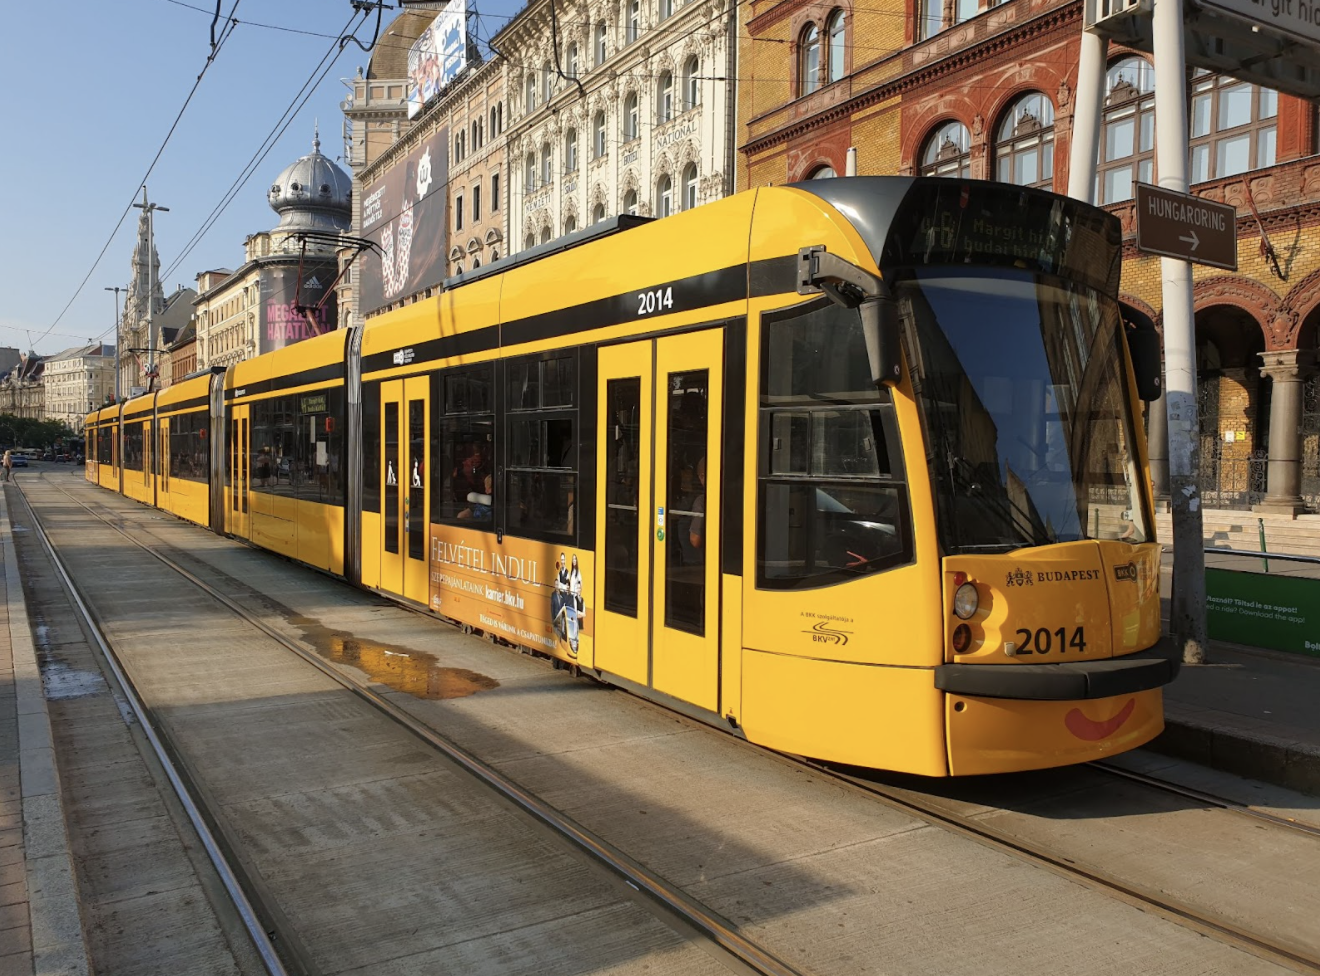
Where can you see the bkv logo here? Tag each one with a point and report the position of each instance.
(403, 357)
(823, 633)
(1019, 577)
(1127, 574)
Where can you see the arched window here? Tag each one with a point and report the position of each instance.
(665, 98)
(690, 186)
(932, 18)
(634, 21)
(1127, 153)
(476, 263)
(529, 172)
(494, 255)
(546, 176)
(547, 81)
(691, 84)
(631, 130)
(529, 91)
(546, 234)
(665, 197)
(1233, 127)
(601, 34)
(570, 225)
(666, 9)
(809, 61)
(458, 268)
(598, 135)
(834, 30)
(570, 151)
(630, 202)
(571, 68)
(598, 214)
(822, 173)
(530, 242)
(948, 151)
(1024, 148)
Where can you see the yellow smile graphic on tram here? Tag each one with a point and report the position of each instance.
(1091, 730)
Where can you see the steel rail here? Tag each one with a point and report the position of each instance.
(256, 931)
(1210, 799)
(718, 930)
(1293, 957)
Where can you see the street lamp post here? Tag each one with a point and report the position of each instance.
(116, 289)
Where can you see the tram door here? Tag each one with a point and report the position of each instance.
(657, 543)
(240, 471)
(405, 488)
(163, 456)
(148, 461)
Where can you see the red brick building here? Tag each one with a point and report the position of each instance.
(956, 87)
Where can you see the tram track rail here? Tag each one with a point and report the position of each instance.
(1298, 958)
(742, 955)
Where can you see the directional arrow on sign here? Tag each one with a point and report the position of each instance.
(1193, 240)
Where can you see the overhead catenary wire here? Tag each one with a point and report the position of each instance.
(286, 118)
(225, 34)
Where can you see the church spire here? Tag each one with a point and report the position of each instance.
(316, 136)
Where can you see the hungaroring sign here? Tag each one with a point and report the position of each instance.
(1178, 225)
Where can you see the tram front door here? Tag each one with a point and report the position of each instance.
(657, 518)
(405, 488)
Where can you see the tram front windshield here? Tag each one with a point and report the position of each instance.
(1021, 379)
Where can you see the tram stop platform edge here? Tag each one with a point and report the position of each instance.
(40, 917)
(1247, 711)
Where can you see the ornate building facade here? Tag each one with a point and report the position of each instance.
(78, 381)
(280, 294)
(986, 91)
(629, 115)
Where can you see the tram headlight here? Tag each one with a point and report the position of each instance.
(965, 600)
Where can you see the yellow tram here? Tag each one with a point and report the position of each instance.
(852, 468)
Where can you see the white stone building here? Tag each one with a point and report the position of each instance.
(77, 381)
(643, 123)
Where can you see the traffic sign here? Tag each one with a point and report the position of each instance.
(1298, 19)
(1178, 225)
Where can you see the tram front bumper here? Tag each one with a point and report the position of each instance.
(1067, 681)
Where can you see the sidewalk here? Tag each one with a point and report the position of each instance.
(40, 927)
(1249, 712)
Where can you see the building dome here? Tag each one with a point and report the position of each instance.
(312, 194)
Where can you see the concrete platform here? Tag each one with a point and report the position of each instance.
(40, 922)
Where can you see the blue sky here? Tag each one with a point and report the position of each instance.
(94, 88)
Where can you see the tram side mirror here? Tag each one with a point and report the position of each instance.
(880, 330)
(1144, 347)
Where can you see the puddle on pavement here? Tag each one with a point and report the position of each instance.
(412, 672)
(63, 682)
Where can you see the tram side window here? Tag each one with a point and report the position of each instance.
(540, 450)
(318, 470)
(466, 454)
(189, 458)
(831, 501)
(133, 446)
(105, 445)
(273, 440)
(371, 446)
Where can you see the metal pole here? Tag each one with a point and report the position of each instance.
(1083, 158)
(118, 339)
(1187, 611)
(850, 163)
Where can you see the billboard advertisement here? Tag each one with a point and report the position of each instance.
(437, 57)
(537, 594)
(279, 320)
(405, 212)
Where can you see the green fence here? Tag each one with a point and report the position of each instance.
(1278, 612)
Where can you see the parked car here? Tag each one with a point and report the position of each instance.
(18, 460)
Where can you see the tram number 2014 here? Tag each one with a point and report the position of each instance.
(657, 300)
(1044, 640)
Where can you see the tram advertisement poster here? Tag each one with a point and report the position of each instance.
(281, 322)
(404, 212)
(537, 594)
